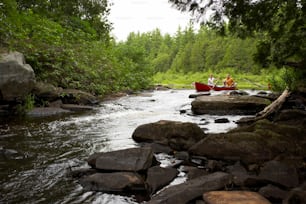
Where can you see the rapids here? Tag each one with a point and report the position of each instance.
(36, 154)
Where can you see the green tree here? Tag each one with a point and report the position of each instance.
(280, 25)
(94, 12)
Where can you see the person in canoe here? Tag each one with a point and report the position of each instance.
(211, 80)
(229, 81)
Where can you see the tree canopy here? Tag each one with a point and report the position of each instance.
(279, 24)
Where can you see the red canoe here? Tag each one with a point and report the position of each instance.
(204, 87)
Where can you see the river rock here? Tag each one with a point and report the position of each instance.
(280, 173)
(255, 143)
(222, 120)
(296, 195)
(226, 105)
(76, 108)
(17, 78)
(272, 192)
(193, 172)
(46, 111)
(244, 146)
(113, 182)
(46, 92)
(189, 190)
(133, 159)
(234, 197)
(158, 177)
(295, 117)
(177, 135)
(241, 177)
(73, 96)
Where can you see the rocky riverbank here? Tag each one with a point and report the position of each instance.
(262, 162)
(18, 82)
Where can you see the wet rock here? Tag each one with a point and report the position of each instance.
(214, 165)
(273, 193)
(224, 105)
(296, 195)
(182, 155)
(46, 111)
(72, 96)
(133, 159)
(222, 120)
(192, 189)
(256, 143)
(183, 111)
(17, 78)
(113, 182)
(79, 173)
(159, 148)
(245, 146)
(177, 135)
(11, 153)
(292, 116)
(199, 94)
(243, 178)
(193, 172)
(46, 92)
(280, 173)
(237, 93)
(234, 197)
(158, 177)
(76, 108)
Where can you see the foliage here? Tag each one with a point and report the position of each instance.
(186, 80)
(282, 32)
(68, 45)
(26, 105)
(190, 51)
(285, 78)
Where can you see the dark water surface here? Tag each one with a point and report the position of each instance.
(37, 154)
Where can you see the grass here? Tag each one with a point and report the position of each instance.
(184, 81)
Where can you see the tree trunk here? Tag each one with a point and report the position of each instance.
(274, 107)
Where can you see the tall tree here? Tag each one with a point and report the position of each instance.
(281, 25)
(69, 13)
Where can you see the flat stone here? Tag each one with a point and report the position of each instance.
(226, 105)
(234, 197)
(133, 159)
(113, 182)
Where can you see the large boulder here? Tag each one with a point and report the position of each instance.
(133, 159)
(256, 143)
(192, 189)
(278, 172)
(46, 92)
(227, 105)
(177, 135)
(17, 78)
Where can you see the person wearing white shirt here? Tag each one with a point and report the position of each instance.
(211, 81)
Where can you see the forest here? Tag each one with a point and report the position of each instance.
(69, 45)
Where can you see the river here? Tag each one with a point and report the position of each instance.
(37, 154)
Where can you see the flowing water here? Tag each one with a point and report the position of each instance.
(37, 154)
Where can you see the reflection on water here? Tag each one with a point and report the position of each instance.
(37, 154)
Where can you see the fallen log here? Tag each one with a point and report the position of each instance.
(271, 109)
